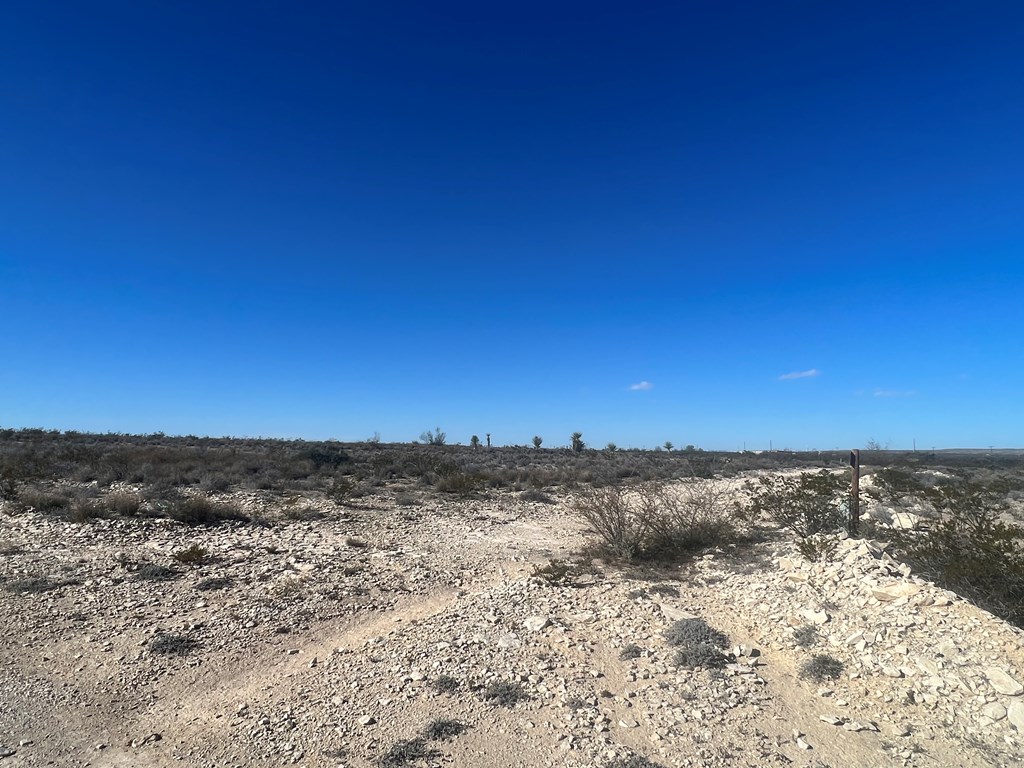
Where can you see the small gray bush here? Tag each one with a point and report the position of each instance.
(443, 729)
(821, 667)
(408, 751)
(504, 693)
(694, 631)
(173, 645)
(631, 651)
(445, 684)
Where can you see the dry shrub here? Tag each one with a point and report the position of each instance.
(656, 520)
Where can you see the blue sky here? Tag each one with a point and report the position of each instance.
(330, 220)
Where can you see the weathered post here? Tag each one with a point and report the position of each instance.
(854, 524)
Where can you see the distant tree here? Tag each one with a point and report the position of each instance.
(488, 439)
(668, 445)
(611, 447)
(577, 442)
(475, 442)
(873, 445)
(437, 437)
(690, 448)
(537, 440)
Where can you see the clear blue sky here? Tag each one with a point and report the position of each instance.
(632, 220)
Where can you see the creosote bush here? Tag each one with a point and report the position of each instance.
(969, 549)
(807, 504)
(819, 548)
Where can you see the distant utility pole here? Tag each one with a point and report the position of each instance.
(854, 492)
(488, 439)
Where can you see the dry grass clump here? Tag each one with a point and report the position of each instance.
(200, 510)
(192, 555)
(124, 503)
(653, 520)
(155, 572)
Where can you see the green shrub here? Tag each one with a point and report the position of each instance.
(460, 484)
(694, 631)
(8, 486)
(699, 656)
(819, 548)
(807, 504)
(968, 549)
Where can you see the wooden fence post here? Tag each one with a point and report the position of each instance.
(855, 492)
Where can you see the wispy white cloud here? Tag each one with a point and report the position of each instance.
(641, 386)
(800, 375)
(894, 392)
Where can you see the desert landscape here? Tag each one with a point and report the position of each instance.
(261, 603)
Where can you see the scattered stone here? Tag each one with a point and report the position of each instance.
(536, 623)
(1003, 683)
(815, 617)
(367, 720)
(895, 591)
(994, 711)
(1015, 714)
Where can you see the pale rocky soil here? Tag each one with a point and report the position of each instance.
(322, 649)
